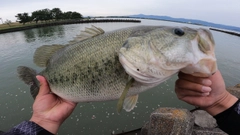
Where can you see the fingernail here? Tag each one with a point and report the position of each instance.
(207, 82)
(37, 77)
(206, 94)
(206, 89)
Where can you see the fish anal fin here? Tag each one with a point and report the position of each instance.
(130, 103)
(87, 33)
(44, 53)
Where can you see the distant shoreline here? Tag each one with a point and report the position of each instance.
(14, 29)
(39, 25)
(215, 29)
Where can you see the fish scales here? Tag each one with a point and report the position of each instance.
(89, 68)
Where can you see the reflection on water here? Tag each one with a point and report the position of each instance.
(51, 32)
(95, 118)
(29, 35)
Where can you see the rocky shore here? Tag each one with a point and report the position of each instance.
(175, 121)
(67, 22)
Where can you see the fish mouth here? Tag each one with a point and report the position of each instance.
(136, 74)
(204, 68)
(205, 63)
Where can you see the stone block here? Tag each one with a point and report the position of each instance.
(207, 131)
(234, 90)
(169, 121)
(204, 119)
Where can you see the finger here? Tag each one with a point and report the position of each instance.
(44, 88)
(200, 80)
(197, 101)
(192, 97)
(191, 86)
(182, 93)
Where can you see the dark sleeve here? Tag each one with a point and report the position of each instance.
(229, 120)
(27, 128)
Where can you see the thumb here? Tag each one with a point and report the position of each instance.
(44, 88)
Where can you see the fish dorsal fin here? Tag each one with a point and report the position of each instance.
(44, 53)
(87, 33)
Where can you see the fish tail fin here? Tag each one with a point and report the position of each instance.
(28, 76)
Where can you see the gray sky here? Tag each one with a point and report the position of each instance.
(217, 11)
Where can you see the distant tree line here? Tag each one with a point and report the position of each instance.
(47, 15)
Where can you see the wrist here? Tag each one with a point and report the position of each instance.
(222, 104)
(47, 125)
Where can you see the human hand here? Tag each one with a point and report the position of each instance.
(49, 110)
(209, 93)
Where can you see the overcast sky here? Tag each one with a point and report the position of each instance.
(217, 11)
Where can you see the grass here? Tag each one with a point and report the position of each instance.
(18, 25)
(14, 25)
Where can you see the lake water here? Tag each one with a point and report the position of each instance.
(96, 118)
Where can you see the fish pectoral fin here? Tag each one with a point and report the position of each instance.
(87, 33)
(130, 103)
(124, 93)
(44, 53)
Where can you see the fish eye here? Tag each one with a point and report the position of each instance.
(178, 32)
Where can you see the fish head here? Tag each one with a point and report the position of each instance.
(153, 54)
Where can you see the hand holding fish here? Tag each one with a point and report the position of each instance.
(49, 110)
(209, 93)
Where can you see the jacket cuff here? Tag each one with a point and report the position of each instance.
(28, 128)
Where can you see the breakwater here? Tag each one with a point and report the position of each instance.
(67, 22)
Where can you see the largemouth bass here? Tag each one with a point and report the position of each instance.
(98, 65)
